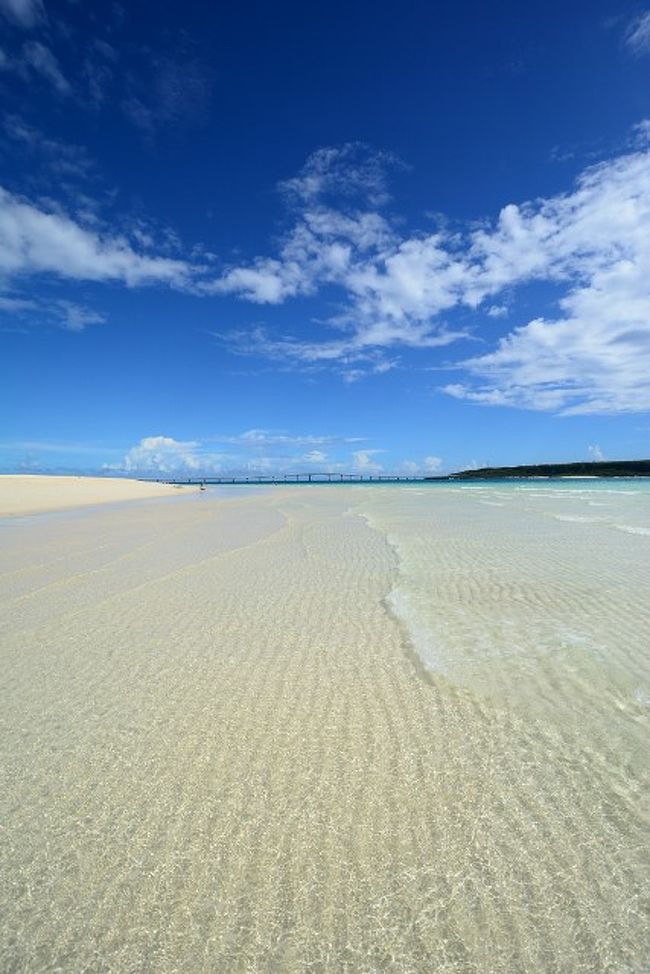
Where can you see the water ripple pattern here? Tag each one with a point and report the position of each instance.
(347, 731)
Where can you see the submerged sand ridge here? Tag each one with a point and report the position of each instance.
(22, 494)
(220, 756)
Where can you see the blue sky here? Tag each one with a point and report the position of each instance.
(289, 236)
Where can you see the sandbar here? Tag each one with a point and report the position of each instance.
(22, 494)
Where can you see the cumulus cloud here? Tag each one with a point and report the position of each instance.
(24, 13)
(363, 461)
(594, 357)
(637, 36)
(427, 465)
(392, 288)
(255, 451)
(591, 243)
(35, 240)
(266, 281)
(165, 455)
(595, 453)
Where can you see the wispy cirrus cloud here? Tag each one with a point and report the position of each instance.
(76, 317)
(36, 59)
(63, 158)
(346, 170)
(170, 89)
(355, 357)
(24, 13)
(15, 304)
(43, 62)
(23, 311)
(266, 438)
(637, 35)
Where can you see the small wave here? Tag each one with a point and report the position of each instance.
(577, 519)
(631, 529)
(419, 635)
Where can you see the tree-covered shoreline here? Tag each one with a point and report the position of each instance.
(598, 468)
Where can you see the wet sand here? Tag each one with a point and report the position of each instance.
(22, 494)
(222, 753)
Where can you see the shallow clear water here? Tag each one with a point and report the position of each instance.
(344, 730)
(534, 599)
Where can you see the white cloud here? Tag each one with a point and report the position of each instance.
(594, 357)
(165, 455)
(347, 170)
(591, 244)
(315, 456)
(595, 453)
(254, 451)
(641, 134)
(25, 13)
(267, 282)
(363, 462)
(591, 353)
(75, 317)
(266, 438)
(66, 314)
(638, 34)
(394, 289)
(427, 465)
(34, 240)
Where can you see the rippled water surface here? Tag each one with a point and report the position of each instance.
(396, 729)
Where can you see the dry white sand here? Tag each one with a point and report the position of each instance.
(219, 753)
(36, 493)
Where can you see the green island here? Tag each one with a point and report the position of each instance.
(595, 468)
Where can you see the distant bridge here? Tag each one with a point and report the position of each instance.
(302, 478)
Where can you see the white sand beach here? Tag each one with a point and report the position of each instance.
(326, 730)
(22, 494)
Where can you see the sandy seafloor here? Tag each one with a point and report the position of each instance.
(328, 730)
